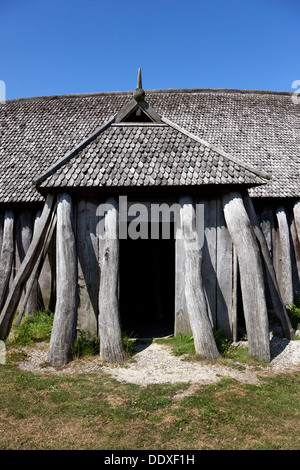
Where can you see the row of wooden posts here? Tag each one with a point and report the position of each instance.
(246, 235)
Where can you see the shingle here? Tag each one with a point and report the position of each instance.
(165, 161)
(259, 128)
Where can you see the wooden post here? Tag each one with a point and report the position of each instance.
(295, 244)
(25, 269)
(296, 211)
(285, 279)
(1, 229)
(267, 227)
(111, 343)
(201, 327)
(64, 325)
(251, 275)
(45, 275)
(23, 236)
(276, 298)
(7, 252)
(234, 318)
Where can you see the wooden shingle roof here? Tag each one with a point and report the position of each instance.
(258, 129)
(148, 154)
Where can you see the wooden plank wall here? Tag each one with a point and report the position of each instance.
(88, 268)
(219, 268)
(279, 228)
(23, 229)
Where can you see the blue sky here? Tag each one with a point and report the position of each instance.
(80, 46)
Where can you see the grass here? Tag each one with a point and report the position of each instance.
(183, 345)
(38, 326)
(93, 411)
(294, 314)
(34, 328)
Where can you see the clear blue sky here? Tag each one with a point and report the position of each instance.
(80, 46)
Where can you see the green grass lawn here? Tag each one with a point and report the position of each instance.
(93, 411)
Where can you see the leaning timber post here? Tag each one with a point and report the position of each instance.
(201, 327)
(23, 236)
(31, 285)
(29, 302)
(278, 304)
(15, 292)
(295, 243)
(296, 210)
(285, 278)
(1, 229)
(7, 253)
(251, 275)
(65, 315)
(111, 344)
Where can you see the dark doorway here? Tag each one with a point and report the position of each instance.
(147, 286)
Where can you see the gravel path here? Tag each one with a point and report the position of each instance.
(154, 363)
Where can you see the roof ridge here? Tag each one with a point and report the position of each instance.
(151, 91)
(216, 149)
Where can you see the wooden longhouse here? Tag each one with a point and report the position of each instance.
(68, 161)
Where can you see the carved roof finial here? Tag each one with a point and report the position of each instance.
(139, 94)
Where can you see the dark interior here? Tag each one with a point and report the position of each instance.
(147, 286)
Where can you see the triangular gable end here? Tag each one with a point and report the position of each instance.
(137, 110)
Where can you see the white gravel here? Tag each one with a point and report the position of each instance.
(154, 363)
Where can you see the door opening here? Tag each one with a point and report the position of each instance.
(147, 286)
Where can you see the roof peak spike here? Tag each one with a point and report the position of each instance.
(139, 79)
(139, 94)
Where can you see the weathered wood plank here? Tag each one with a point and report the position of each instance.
(182, 322)
(234, 308)
(7, 253)
(46, 277)
(1, 229)
(278, 304)
(88, 269)
(284, 264)
(209, 264)
(25, 270)
(295, 242)
(267, 227)
(23, 237)
(224, 274)
(251, 275)
(65, 316)
(296, 210)
(111, 343)
(199, 320)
